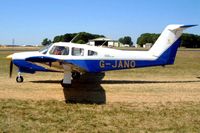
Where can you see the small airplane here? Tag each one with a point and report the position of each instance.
(76, 59)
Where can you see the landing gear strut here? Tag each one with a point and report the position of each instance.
(19, 78)
(65, 85)
(66, 82)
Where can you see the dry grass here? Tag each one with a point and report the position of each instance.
(54, 116)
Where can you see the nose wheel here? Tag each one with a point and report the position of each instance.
(19, 78)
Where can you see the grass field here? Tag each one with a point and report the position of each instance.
(138, 100)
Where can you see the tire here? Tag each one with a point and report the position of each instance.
(19, 79)
(76, 75)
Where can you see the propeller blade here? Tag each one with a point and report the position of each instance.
(11, 68)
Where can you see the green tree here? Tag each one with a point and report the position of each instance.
(57, 39)
(187, 40)
(46, 42)
(190, 41)
(126, 40)
(147, 38)
(83, 37)
(81, 42)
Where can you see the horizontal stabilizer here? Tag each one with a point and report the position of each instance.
(180, 27)
(188, 26)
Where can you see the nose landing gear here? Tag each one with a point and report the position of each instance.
(19, 78)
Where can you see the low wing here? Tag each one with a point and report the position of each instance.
(53, 64)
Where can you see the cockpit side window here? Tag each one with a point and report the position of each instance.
(59, 50)
(92, 53)
(77, 51)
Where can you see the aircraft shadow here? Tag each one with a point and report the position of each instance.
(88, 89)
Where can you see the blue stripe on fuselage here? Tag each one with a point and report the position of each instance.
(91, 65)
(107, 65)
(102, 65)
(28, 67)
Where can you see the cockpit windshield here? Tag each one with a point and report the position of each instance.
(44, 50)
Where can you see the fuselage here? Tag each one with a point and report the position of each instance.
(92, 59)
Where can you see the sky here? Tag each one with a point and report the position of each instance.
(30, 21)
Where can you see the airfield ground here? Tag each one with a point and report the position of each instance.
(139, 100)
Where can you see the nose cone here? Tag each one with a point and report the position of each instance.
(9, 57)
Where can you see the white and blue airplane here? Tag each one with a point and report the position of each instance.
(76, 59)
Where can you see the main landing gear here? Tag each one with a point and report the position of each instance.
(76, 75)
(68, 76)
(19, 78)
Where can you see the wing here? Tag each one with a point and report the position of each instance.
(53, 64)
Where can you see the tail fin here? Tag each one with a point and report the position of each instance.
(166, 46)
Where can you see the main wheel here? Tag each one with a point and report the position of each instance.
(19, 79)
(76, 75)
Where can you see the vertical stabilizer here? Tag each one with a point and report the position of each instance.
(166, 46)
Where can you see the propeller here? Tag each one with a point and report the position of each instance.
(11, 64)
(11, 68)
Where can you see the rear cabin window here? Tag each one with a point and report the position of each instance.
(59, 50)
(92, 53)
(77, 51)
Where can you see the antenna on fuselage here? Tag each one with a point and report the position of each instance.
(74, 38)
(103, 43)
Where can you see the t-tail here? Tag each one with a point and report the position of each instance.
(165, 48)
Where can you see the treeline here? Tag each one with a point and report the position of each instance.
(126, 40)
(188, 40)
(147, 38)
(82, 38)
